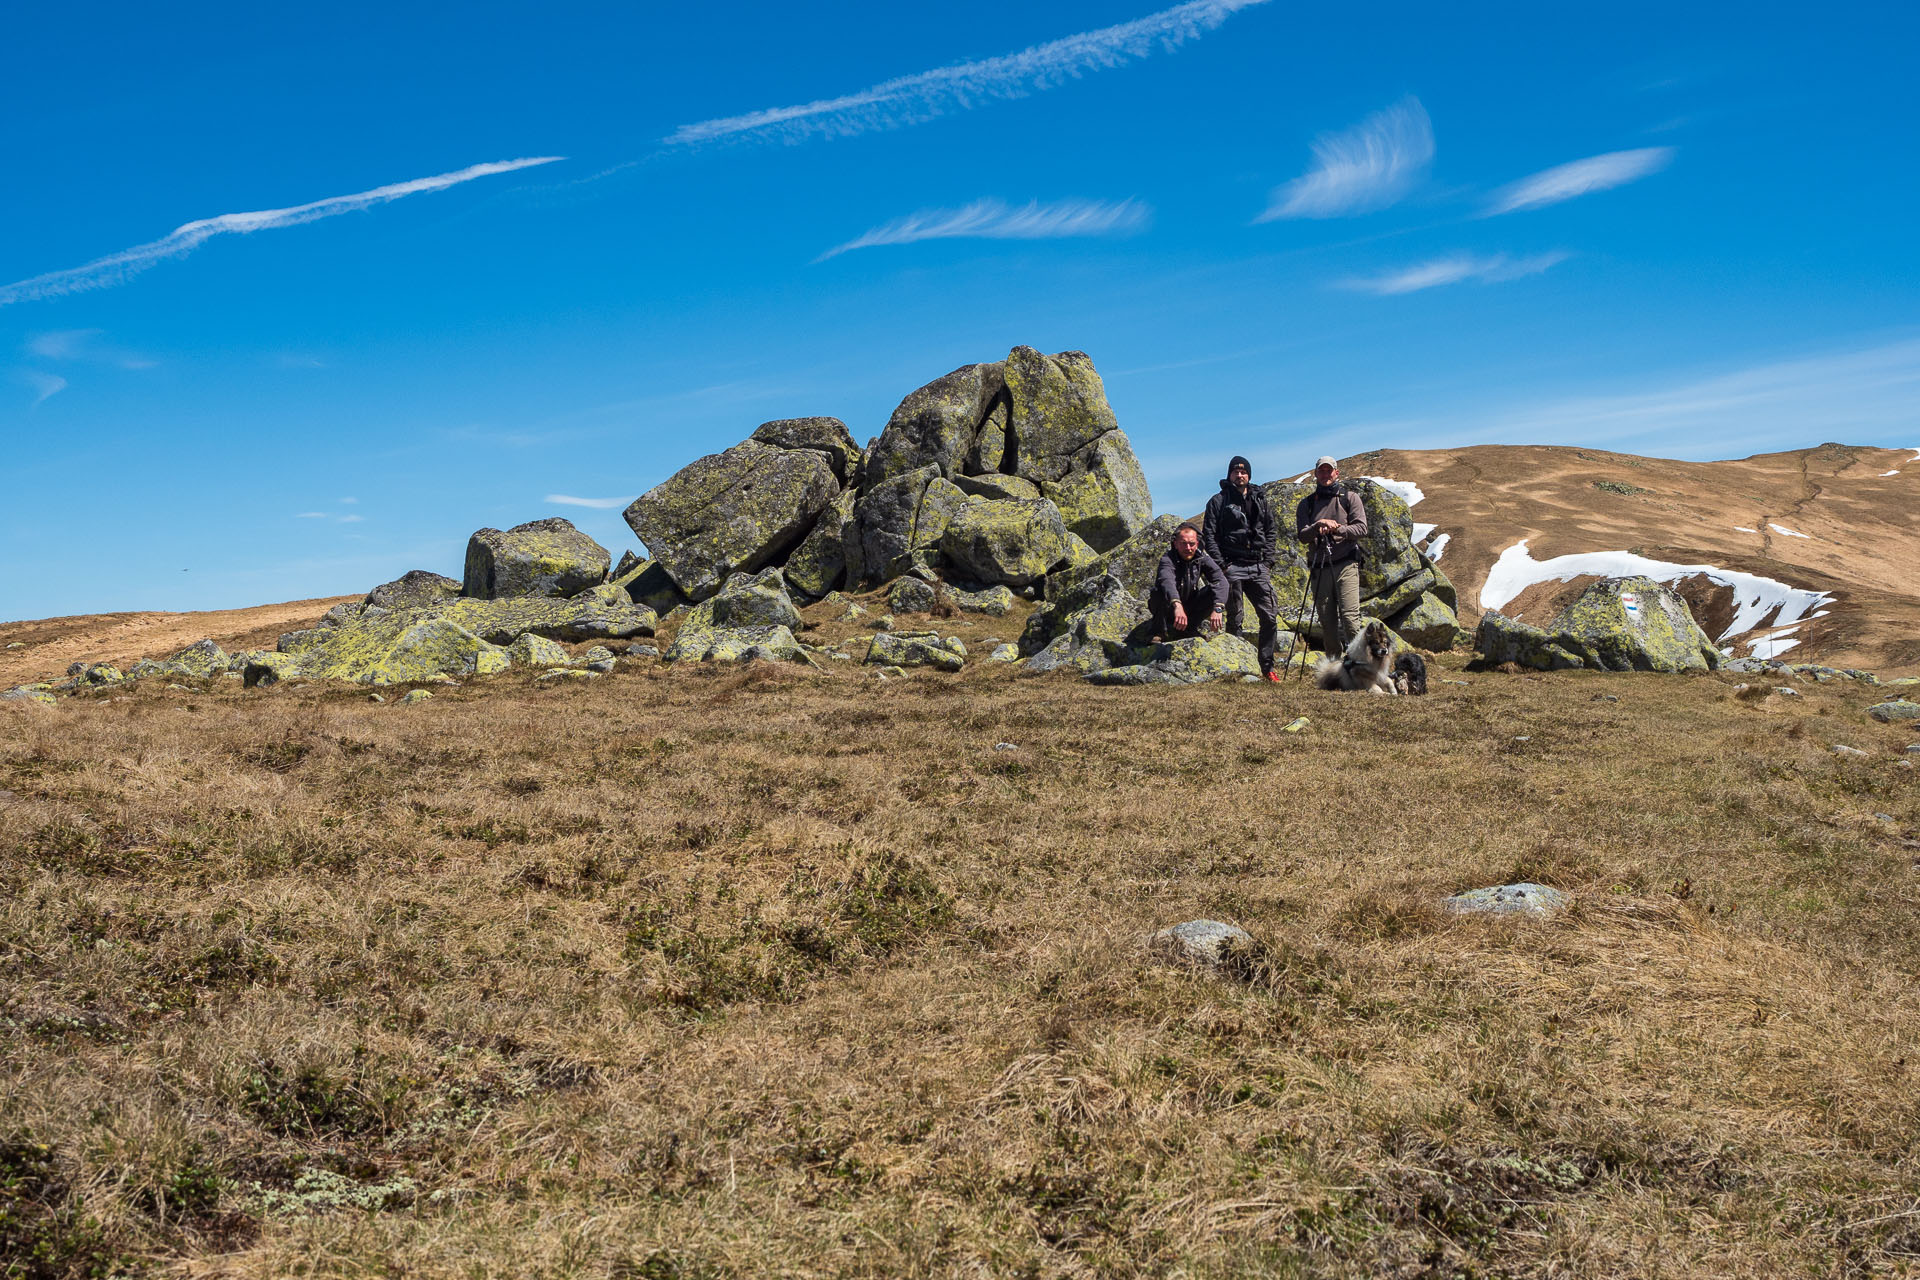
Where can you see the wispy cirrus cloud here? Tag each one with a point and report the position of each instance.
(997, 220)
(85, 345)
(917, 98)
(1455, 269)
(1361, 169)
(598, 504)
(117, 267)
(1579, 178)
(45, 385)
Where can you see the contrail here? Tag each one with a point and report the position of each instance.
(116, 267)
(916, 98)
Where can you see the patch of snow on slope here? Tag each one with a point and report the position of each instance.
(1780, 528)
(1740, 528)
(1885, 474)
(1438, 545)
(1754, 597)
(1406, 490)
(1771, 646)
(1420, 531)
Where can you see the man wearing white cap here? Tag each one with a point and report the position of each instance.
(1331, 521)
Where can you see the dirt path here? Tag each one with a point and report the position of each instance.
(49, 645)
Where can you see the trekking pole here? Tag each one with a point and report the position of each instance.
(1311, 606)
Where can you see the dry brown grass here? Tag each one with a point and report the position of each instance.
(763, 971)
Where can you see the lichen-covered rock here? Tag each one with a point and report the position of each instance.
(942, 501)
(263, 669)
(993, 485)
(1398, 598)
(599, 658)
(1897, 711)
(380, 655)
(819, 563)
(201, 660)
(1388, 556)
(340, 613)
(1003, 653)
(878, 542)
(530, 650)
(539, 558)
(1191, 661)
(1007, 542)
(414, 589)
(31, 694)
(648, 585)
(628, 565)
(937, 426)
(1617, 624)
(920, 649)
(828, 436)
(995, 602)
(912, 595)
(1057, 406)
(1094, 625)
(413, 697)
(1103, 495)
(1133, 562)
(757, 601)
(732, 512)
(1429, 624)
(774, 644)
(1525, 898)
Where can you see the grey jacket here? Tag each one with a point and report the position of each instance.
(1342, 504)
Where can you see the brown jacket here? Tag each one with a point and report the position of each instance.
(1342, 504)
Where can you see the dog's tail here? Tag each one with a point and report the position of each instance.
(1326, 673)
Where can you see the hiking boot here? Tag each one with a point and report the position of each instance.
(1272, 677)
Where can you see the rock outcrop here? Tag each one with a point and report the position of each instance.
(1617, 624)
(540, 558)
(415, 589)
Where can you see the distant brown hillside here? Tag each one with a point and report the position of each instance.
(1861, 527)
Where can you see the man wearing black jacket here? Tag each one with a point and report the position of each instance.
(1188, 590)
(1238, 533)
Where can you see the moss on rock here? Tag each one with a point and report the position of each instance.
(540, 558)
(1009, 542)
(1103, 495)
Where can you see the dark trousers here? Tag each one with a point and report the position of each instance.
(1199, 607)
(1255, 583)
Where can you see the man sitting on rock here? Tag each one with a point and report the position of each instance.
(1189, 592)
(1239, 535)
(1331, 521)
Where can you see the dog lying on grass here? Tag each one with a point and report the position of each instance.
(1367, 663)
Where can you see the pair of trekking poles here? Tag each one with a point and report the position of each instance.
(1310, 604)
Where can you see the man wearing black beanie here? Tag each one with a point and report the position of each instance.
(1239, 534)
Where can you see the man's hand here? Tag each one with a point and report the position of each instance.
(1179, 618)
(1216, 621)
(1326, 525)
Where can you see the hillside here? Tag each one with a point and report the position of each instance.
(1827, 519)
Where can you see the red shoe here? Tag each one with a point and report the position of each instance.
(1273, 677)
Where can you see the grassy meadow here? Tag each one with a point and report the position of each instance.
(768, 971)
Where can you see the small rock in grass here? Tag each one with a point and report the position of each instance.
(372, 697)
(416, 695)
(1848, 753)
(642, 651)
(882, 623)
(1295, 725)
(1897, 711)
(1004, 653)
(1509, 899)
(1006, 746)
(1209, 944)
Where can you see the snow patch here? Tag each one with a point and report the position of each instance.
(1740, 528)
(1885, 474)
(1406, 490)
(1771, 646)
(1791, 533)
(1420, 531)
(1438, 545)
(1755, 598)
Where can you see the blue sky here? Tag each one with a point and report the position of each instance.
(507, 256)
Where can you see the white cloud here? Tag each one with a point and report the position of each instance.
(1361, 169)
(311, 515)
(928, 94)
(45, 385)
(349, 501)
(85, 345)
(351, 519)
(1579, 178)
(598, 504)
(116, 267)
(996, 220)
(1488, 269)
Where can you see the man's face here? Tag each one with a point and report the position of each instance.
(1239, 475)
(1186, 544)
(1326, 475)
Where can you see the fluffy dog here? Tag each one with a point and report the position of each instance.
(1364, 666)
(1410, 673)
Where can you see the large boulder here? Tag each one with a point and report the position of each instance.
(819, 563)
(757, 601)
(736, 644)
(414, 589)
(997, 486)
(1429, 624)
(1095, 625)
(1005, 542)
(1103, 495)
(540, 558)
(824, 435)
(1192, 661)
(428, 649)
(913, 649)
(1057, 406)
(1616, 624)
(732, 512)
(878, 542)
(938, 426)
